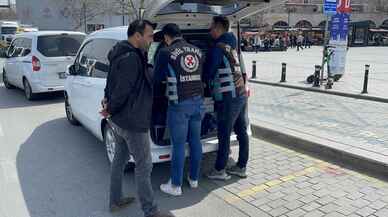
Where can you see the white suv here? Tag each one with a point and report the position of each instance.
(36, 61)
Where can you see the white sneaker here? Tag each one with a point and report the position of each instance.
(170, 189)
(193, 184)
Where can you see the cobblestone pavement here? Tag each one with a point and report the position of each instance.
(358, 123)
(286, 183)
(301, 64)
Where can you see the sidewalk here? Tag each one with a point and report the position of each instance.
(286, 183)
(358, 126)
(301, 64)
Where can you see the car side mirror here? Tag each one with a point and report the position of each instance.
(71, 70)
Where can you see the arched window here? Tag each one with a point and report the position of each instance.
(303, 24)
(280, 24)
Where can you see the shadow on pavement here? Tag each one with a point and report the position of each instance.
(63, 172)
(14, 98)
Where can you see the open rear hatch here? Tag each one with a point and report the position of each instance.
(194, 17)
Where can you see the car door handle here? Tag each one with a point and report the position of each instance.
(26, 61)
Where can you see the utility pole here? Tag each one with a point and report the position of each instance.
(84, 15)
(325, 43)
(123, 11)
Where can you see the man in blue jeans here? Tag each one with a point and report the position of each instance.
(223, 73)
(180, 65)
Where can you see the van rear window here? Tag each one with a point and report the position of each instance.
(59, 45)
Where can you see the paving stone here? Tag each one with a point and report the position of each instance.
(276, 195)
(331, 207)
(260, 202)
(326, 200)
(366, 211)
(278, 211)
(277, 203)
(294, 205)
(335, 214)
(311, 206)
(382, 213)
(360, 203)
(315, 213)
(347, 209)
(296, 213)
(355, 195)
(308, 198)
(378, 205)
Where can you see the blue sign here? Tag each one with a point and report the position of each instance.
(339, 27)
(330, 7)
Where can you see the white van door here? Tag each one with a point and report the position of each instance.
(93, 86)
(11, 67)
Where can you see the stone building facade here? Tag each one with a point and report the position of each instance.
(309, 13)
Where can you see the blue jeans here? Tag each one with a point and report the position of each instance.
(184, 123)
(232, 115)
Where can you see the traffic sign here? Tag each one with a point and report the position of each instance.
(330, 7)
(343, 6)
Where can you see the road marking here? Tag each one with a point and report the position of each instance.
(1, 131)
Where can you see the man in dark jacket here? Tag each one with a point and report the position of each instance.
(128, 104)
(223, 73)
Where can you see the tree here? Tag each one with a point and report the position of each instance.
(83, 11)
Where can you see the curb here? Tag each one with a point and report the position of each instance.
(311, 89)
(345, 155)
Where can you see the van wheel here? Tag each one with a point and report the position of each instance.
(69, 113)
(6, 83)
(28, 91)
(110, 142)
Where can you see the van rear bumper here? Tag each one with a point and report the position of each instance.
(41, 88)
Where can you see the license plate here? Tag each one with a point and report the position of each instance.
(62, 75)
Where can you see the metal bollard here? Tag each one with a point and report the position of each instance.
(366, 79)
(284, 71)
(317, 75)
(253, 69)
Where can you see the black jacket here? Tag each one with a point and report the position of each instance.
(129, 88)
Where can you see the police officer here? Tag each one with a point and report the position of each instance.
(180, 65)
(223, 73)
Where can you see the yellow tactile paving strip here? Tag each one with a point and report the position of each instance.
(319, 166)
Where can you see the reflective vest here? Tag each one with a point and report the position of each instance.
(228, 79)
(184, 71)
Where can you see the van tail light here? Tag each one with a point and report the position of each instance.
(35, 64)
(164, 157)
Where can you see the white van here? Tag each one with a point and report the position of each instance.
(37, 61)
(85, 83)
(8, 30)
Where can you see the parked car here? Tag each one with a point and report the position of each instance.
(36, 61)
(86, 79)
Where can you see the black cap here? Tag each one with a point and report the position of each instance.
(172, 30)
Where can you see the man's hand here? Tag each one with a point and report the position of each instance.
(104, 112)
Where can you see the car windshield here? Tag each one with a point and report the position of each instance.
(177, 7)
(8, 30)
(59, 45)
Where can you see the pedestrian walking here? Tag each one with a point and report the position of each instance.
(223, 71)
(180, 65)
(300, 42)
(128, 106)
